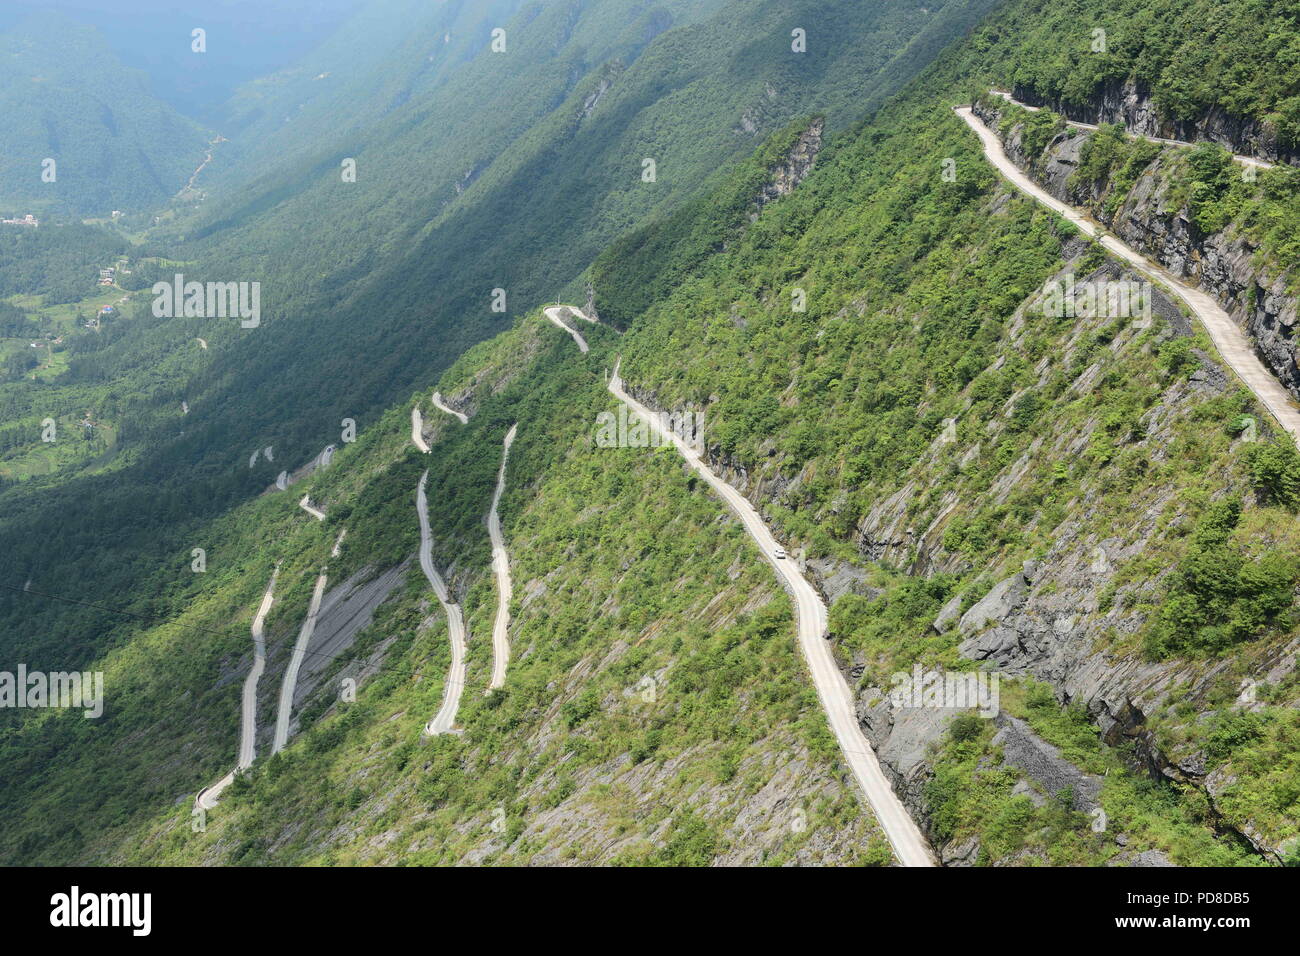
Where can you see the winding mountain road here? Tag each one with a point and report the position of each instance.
(554, 313)
(1227, 337)
(443, 406)
(417, 430)
(285, 714)
(909, 845)
(207, 798)
(444, 721)
(501, 568)
(305, 505)
(248, 714)
(1239, 157)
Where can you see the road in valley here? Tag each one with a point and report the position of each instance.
(909, 845)
(285, 714)
(445, 720)
(501, 568)
(1227, 337)
(1243, 159)
(555, 314)
(212, 145)
(207, 799)
(443, 406)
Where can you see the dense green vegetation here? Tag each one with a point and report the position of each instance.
(916, 314)
(830, 341)
(1193, 55)
(61, 263)
(624, 575)
(646, 264)
(372, 288)
(65, 96)
(1220, 595)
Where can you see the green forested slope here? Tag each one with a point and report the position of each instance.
(919, 294)
(1240, 56)
(920, 271)
(64, 96)
(370, 288)
(655, 709)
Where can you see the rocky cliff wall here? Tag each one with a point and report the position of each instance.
(1129, 103)
(1225, 264)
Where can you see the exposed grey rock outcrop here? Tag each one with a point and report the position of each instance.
(346, 611)
(836, 578)
(1145, 858)
(1043, 763)
(1125, 101)
(905, 737)
(1006, 596)
(1251, 290)
(796, 165)
(960, 854)
(948, 615)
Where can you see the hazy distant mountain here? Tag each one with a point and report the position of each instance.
(64, 96)
(244, 40)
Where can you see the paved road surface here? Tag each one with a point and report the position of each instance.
(285, 714)
(500, 568)
(445, 720)
(440, 404)
(556, 314)
(909, 845)
(305, 505)
(208, 798)
(1244, 160)
(248, 712)
(417, 430)
(1224, 333)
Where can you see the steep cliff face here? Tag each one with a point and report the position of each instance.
(1130, 103)
(794, 166)
(1072, 617)
(1078, 444)
(1227, 264)
(1067, 618)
